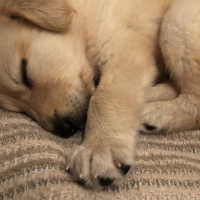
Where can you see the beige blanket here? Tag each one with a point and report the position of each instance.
(32, 165)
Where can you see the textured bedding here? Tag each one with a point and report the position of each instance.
(32, 165)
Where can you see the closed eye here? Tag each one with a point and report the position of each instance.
(25, 79)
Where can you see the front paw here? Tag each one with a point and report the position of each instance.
(99, 165)
(154, 118)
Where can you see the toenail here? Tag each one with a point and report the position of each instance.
(68, 169)
(81, 176)
(96, 176)
(118, 164)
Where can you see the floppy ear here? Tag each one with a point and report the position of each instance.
(53, 15)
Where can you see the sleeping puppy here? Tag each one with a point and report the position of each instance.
(52, 53)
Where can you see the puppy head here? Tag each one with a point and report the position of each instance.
(45, 74)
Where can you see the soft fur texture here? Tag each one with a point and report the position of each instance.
(124, 41)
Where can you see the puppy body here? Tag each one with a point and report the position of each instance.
(125, 50)
(50, 75)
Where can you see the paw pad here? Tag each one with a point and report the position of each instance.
(124, 169)
(83, 183)
(105, 181)
(149, 127)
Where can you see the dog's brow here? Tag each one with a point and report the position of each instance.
(26, 80)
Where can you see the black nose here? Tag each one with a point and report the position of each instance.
(65, 128)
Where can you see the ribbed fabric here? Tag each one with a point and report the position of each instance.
(32, 165)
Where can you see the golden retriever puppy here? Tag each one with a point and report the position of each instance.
(44, 74)
(52, 52)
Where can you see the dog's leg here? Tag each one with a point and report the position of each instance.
(162, 92)
(180, 46)
(180, 114)
(107, 152)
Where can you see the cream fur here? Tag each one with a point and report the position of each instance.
(122, 40)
